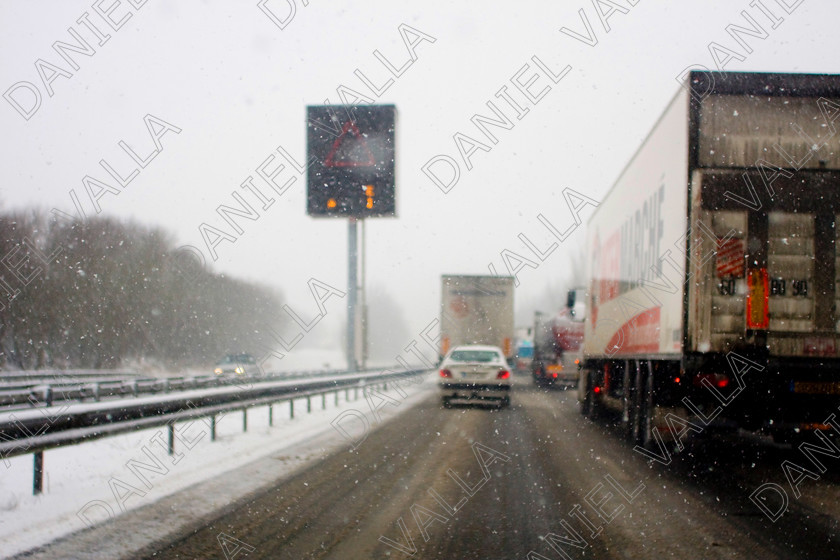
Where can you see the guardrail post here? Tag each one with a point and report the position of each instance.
(355, 393)
(171, 447)
(323, 401)
(270, 414)
(336, 397)
(48, 395)
(291, 408)
(244, 419)
(346, 395)
(38, 473)
(213, 428)
(385, 386)
(308, 403)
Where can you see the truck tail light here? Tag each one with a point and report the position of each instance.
(445, 373)
(717, 380)
(757, 299)
(503, 374)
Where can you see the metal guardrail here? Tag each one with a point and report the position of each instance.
(30, 395)
(63, 372)
(24, 379)
(38, 433)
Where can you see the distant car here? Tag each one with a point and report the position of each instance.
(475, 373)
(238, 364)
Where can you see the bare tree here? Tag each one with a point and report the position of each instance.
(112, 294)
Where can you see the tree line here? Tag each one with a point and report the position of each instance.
(103, 293)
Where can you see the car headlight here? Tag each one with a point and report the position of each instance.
(240, 370)
(218, 371)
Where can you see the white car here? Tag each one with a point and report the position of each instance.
(475, 373)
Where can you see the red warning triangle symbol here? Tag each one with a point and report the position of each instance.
(350, 152)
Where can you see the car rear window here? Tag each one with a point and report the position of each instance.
(237, 359)
(474, 356)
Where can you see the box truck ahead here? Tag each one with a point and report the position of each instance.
(477, 310)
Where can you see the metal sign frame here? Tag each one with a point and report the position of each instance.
(352, 152)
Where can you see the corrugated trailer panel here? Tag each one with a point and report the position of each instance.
(739, 130)
(477, 310)
(636, 290)
(765, 173)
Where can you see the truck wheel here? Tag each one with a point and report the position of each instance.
(585, 401)
(447, 403)
(636, 420)
(626, 421)
(592, 411)
(629, 405)
(539, 378)
(643, 424)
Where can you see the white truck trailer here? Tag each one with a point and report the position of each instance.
(714, 277)
(477, 310)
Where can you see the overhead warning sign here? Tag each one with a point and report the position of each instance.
(351, 150)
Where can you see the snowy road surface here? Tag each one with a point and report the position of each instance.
(480, 483)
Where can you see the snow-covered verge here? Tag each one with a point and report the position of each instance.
(94, 482)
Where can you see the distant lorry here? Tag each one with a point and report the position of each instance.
(524, 350)
(715, 279)
(477, 310)
(524, 356)
(558, 343)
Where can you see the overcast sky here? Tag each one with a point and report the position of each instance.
(226, 83)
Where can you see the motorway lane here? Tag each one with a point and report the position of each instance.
(541, 460)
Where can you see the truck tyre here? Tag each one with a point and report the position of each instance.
(446, 402)
(643, 422)
(539, 378)
(592, 411)
(585, 401)
(636, 421)
(629, 405)
(627, 420)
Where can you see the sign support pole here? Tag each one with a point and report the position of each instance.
(352, 281)
(363, 324)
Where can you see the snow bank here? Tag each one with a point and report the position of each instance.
(89, 483)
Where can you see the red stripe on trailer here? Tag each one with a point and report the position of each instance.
(639, 334)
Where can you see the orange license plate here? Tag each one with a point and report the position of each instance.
(816, 388)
